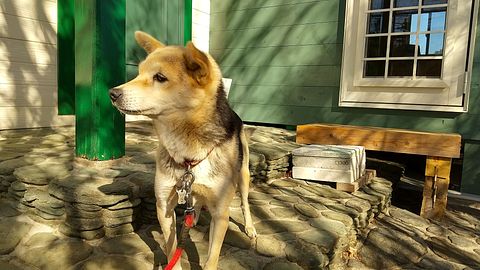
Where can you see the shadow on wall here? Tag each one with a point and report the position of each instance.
(277, 54)
(29, 81)
(285, 61)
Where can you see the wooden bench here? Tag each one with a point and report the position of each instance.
(439, 148)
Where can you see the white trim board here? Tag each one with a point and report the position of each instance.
(448, 93)
(201, 24)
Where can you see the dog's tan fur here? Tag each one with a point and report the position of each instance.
(193, 122)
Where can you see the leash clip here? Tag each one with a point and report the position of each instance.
(184, 187)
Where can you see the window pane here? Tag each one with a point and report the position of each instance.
(403, 45)
(377, 23)
(434, 2)
(433, 19)
(374, 68)
(400, 68)
(405, 20)
(405, 3)
(429, 68)
(379, 4)
(430, 44)
(376, 47)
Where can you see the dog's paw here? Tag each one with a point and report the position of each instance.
(250, 231)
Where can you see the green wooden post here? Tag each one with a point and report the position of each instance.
(99, 65)
(187, 21)
(66, 57)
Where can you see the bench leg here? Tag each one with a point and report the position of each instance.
(435, 189)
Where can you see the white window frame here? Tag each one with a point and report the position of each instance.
(448, 93)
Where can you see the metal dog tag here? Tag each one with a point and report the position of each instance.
(182, 193)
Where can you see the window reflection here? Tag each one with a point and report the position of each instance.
(379, 4)
(376, 47)
(413, 32)
(400, 68)
(405, 3)
(433, 19)
(434, 2)
(403, 45)
(378, 23)
(430, 44)
(405, 20)
(374, 68)
(429, 68)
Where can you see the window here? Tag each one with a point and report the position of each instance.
(407, 54)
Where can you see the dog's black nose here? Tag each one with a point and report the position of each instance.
(115, 93)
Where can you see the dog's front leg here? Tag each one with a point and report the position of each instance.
(166, 202)
(218, 228)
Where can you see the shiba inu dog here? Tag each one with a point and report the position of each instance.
(180, 89)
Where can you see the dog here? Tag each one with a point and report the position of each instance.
(180, 89)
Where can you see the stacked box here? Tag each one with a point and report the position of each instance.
(333, 163)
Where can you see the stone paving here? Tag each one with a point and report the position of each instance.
(402, 240)
(59, 214)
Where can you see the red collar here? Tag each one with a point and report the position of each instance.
(191, 163)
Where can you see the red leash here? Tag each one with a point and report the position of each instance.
(188, 219)
(184, 191)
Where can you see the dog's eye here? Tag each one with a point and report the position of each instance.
(159, 77)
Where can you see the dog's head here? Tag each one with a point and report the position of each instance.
(171, 79)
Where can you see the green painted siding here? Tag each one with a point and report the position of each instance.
(163, 19)
(285, 61)
(471, 172)
(66, 57)
(284, 57)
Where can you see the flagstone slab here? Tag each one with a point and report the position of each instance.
(385, 248)
(282, 265)
(278, 226)
(58, 255)
(5, 265)
(42, 173)
(91, 190)
(129, 244)
(7, 209)
(11, 232)
(114, 262)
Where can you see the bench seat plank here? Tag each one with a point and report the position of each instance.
(382, 139)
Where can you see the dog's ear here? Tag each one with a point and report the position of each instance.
(197, 64)
(147, 42)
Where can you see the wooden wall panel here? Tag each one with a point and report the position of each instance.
(28, 95)
(34, 9)
(28, 64)
(27, 29)
(23, 73)
(30, 117)
(22, 51)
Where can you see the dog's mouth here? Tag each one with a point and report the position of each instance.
(130, 111)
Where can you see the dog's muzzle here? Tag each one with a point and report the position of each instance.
(115, 93)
